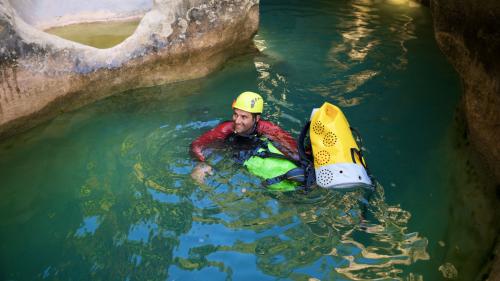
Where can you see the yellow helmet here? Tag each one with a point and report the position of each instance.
(250, 102)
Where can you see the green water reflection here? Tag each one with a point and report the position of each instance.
(101, 35)
(105, 193)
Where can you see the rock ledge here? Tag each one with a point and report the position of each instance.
(42, 75)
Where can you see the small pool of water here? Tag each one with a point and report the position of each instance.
(105, 193)
(101, 35)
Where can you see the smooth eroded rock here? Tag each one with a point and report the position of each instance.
(42, 75)
(468, 33)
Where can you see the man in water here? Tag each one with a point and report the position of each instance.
(246, 127)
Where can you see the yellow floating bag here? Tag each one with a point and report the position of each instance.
(338, 161)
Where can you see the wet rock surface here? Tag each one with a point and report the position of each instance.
(42, 75)
(468, 33)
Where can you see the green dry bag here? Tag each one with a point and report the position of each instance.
(269, 167)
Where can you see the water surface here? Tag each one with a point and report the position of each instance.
(105, 193)
(101, 35)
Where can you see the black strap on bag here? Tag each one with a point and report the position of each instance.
(306, 162)
(268, 154)
(359, 141)
(355, 151)
(304, 173)
(296, 175)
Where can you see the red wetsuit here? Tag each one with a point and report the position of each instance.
(283, 141)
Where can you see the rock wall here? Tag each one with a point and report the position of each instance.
(468, 33)
(42, 75)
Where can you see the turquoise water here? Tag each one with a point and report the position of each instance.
(105, 193)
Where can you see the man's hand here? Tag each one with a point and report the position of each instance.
(200, 172)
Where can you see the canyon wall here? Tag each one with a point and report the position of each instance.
(42, 75)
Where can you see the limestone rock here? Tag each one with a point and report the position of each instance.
(42, 75)
(468, 33)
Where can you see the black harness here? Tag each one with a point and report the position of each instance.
(304, 174)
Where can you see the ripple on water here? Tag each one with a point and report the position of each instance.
(109, 193)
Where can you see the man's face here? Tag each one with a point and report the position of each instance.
(243, 121)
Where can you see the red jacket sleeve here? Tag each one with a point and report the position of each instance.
(218, 133)
(282, 139)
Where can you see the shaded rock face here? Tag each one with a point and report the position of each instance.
(468, 33)
(42, 75)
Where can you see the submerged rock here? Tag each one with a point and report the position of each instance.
(42, 75)
(448, 270)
